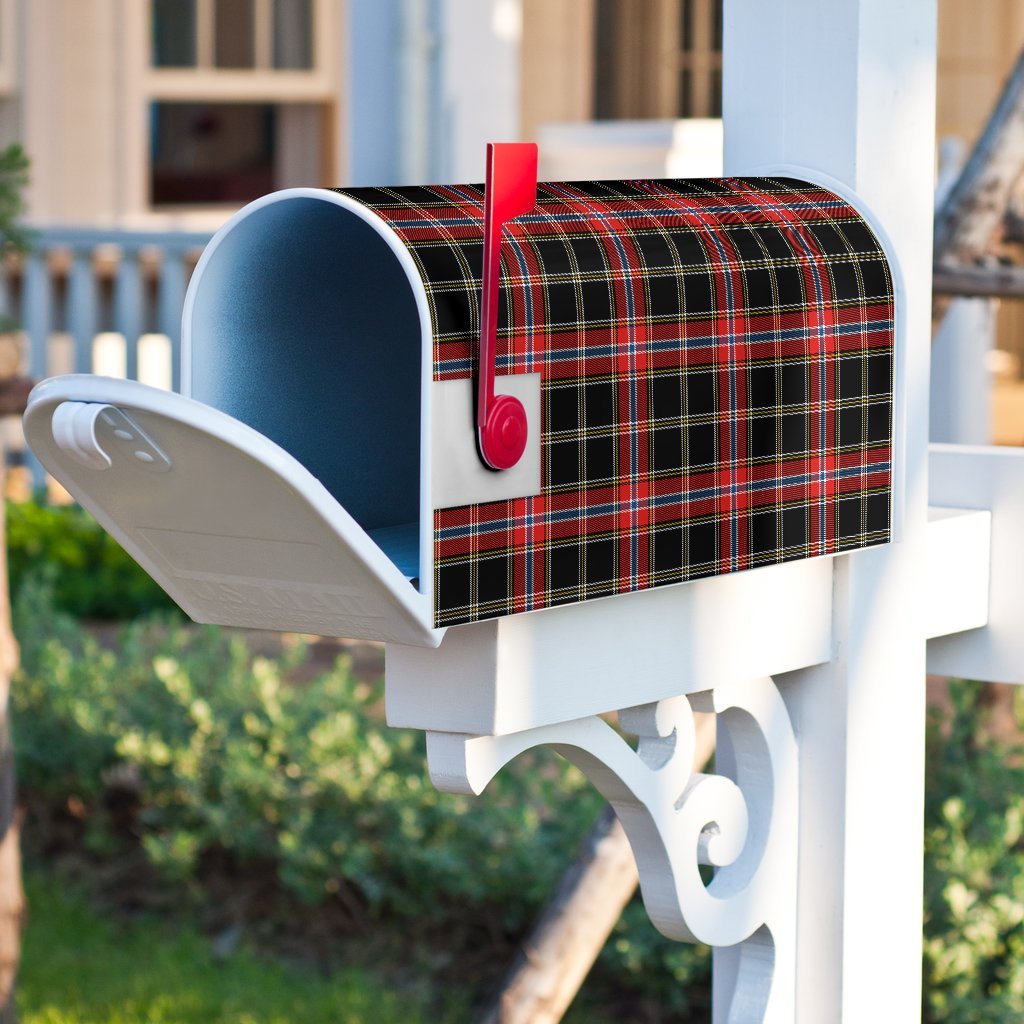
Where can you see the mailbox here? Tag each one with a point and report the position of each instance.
(700, 371)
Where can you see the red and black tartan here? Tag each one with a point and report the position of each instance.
(716, 358)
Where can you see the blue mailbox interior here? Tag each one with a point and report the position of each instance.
(304, 326)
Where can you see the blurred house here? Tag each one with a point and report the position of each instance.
(172, 113)
(168, 113)
(150, 121)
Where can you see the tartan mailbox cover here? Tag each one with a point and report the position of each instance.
(706, 368)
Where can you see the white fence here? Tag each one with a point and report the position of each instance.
(97, 301)
(102, 301)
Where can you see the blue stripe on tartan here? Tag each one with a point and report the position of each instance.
(530, 554)
(822, 360)
(814, 262)
(661, 501)
(668, 345)
(730, 313)
(527, 293)
(634, 454)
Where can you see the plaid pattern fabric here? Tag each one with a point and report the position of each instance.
(716, 358)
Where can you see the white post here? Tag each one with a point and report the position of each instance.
(848, 89)
(960, 410)
(372, 111)
(961, 380)
(479, 82)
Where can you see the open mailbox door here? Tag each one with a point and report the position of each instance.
(234, 528)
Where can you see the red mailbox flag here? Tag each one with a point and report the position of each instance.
(511, 190)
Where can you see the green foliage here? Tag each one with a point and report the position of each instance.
(667, 974)
(80, 968)
(225, 755)
(13, 178)
(90, 573)
(974, 870)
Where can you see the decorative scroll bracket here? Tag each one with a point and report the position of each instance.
(743, 822)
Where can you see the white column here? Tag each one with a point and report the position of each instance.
(848, 89)
(479, 83)
(372, 101)
(961, 380)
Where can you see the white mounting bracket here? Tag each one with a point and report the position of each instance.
(743, 822)
(498, 688)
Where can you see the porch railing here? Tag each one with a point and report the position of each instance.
(98, 301)
(102, 301)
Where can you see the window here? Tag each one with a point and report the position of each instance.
(227, 154)
(242, 96)
(700, 58)
(658, 58)
(293, 34)
(233, 34)
(212, 152)
(174, 33)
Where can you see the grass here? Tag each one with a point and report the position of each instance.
(79, 968)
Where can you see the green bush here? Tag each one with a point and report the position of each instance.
(80, 967)
(974, 869)
(228, 757)
(91, 574)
